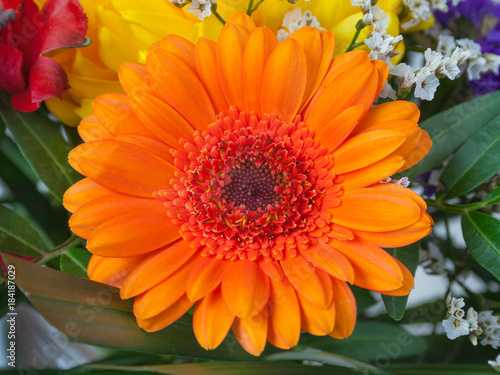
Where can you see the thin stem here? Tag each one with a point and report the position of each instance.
(219, 17)
(455, 208)
(60, 249)
(252, 8)
(356, 35)
(415, 49)
(250, 5)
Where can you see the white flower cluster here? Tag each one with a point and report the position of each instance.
(421, 10)
(484, 325)
(294, 20)
(200, 8)
(432, 259)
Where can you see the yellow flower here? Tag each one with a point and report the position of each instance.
(123, 30)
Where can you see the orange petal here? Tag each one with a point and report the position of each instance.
(355, 86)
(83, 192)
(284, 81)
(167, 317)
(230, 48)
(365, 149)
(311, 282)
(133, 76)
(316, 320)
(94, 213)
(417, 145)
(400, 237)
(178, 86)
(373, 267)
(115, 113)
(373, 173)
(149, 144)
(345, 310)
(403, 126)
(130, 234)
(402, 190)
(330, 260)
(112, 271)
(271, 268)
(344, 62)
(91, 129)
(327, 50)
(408, 283)
(383, 73)
(205, 277)
(245, 288)
(310, 40)
(397, 110)
(180, 47)
(206, 67)
(124, 167)
(243, 20)
(375, 210)
(257, 51)
(252, 332)
(160, 118)
(212, 320)
(156, 268)
(284, 315)
(333, 133)
(160, 297)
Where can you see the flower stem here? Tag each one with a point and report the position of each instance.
(252, 8)
(454, 208)
(359, 27)
(60, 249)
(219, 17)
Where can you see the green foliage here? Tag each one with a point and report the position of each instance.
(481, 234)
(74, 261)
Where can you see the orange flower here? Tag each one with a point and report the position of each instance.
(243, 178)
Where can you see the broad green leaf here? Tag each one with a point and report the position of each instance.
(492, 198)
(225, 368)
(481, 234)
(74, 261)
(451, 128)
(371, 341)
(364, 298)
(474, 163)
(408, 255)
(17, 236)
(442, 369)
(315, 355)
(94, 313)
(42, 146)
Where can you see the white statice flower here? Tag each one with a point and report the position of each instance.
(455, 327)
(440, 5)
(433, 59)
(426, 84)
(178, 2)
(476, 67)
(419, 11)
(381, 46)
(405, 74)
(492, 62)
(449, 68)
(388, 92)
(456, 305)
(294, 20)
(446, 44)
(472, 319)
(471, 46)
(489, 327)
(460, 55)
(496, 363)
(364, 4)
(201, 8)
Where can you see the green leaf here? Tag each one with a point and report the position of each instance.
(474, 163)
(17, 236)
(451, 128)
(42, 146)
(94, 313)
(408, 255)
(371, 341)
(492, 198)
(225, 368)
(74, 261)
(315, 355)
(481, 234)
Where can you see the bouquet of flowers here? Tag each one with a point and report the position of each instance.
(250, 186)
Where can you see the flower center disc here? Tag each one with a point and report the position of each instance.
(252, 185)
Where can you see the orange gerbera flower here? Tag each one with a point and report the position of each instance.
(243, 178)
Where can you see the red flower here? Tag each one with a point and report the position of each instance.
(26, 33)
